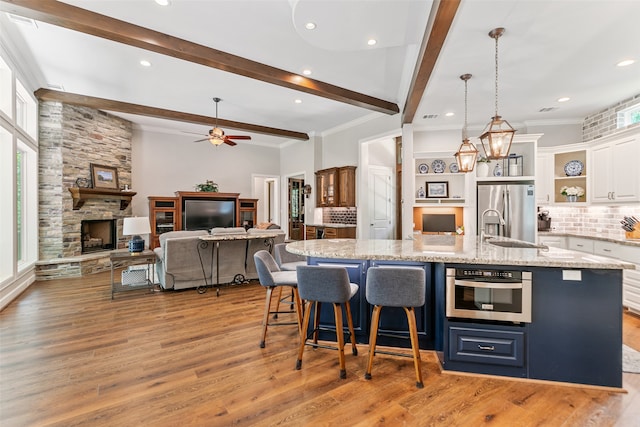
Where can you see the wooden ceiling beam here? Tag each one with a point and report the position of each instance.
(142, 110)
(435, 34)
(84, 21)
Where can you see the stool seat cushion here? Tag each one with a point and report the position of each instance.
(396, 287)
(284, 278)
(291, 266)
(313, 284)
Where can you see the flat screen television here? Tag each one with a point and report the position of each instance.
(439, 223)
(206, 214)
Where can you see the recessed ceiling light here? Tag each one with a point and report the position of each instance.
(163, 2)
(310, 26)
(306, 72)
(625, 62)
(145, 63)
(450, 114)
(563, 99)
(298, 101)
(372, 42)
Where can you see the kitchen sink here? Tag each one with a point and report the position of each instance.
(515, 244)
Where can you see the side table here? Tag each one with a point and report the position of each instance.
(124, 258)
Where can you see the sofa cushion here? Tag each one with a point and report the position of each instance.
(228, 230)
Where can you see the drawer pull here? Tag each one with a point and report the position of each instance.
(486, 347)
(607, 250)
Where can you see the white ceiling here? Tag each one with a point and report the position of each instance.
(551, 48)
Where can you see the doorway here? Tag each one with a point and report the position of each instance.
(296, 209)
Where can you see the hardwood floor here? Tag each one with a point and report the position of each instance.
(69, 356)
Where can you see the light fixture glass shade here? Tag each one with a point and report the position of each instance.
(136, 226)
(466, 156)
(496, 138)
(216, 136)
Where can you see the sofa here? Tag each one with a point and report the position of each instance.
(229, 259)
(178, 262)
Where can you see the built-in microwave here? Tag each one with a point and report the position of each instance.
(499, 295)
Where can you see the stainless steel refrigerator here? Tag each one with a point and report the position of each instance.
(516, 203)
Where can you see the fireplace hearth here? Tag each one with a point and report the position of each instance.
(98, 235)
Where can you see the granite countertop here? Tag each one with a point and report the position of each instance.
(332, 225)
(451, 249)
(630, 242)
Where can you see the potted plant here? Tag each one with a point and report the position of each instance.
(208, 185)
(572, 193)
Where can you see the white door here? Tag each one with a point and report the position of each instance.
(380, 203)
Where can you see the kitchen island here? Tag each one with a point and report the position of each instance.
(575, 331)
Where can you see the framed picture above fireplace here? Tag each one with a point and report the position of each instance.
(104, 176)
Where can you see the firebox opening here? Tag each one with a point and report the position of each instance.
(98, 235)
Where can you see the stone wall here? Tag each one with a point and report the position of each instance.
(605, 122)
(71, 138)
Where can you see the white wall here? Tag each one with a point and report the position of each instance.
(163, 163)
(298, 159)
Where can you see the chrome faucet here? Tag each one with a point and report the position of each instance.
(483, 235)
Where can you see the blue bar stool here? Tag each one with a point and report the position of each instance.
(395, 287)
(329, 284)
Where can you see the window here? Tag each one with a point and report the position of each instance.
(629, 116)
(5, 88)
(6, 209)
(26, 205)
(26, 111)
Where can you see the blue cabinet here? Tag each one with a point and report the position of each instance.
(359, 312)
(485, 348)
(393, 330)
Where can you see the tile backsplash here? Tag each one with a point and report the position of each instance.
(603, 221)
(339, 215)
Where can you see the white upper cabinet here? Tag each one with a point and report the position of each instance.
(544, 174)
(615, 177)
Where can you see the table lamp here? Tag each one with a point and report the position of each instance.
(135, 227)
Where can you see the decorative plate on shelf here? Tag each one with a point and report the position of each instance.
(453, 168)
(573, 168)
(423, 168)
(438, 166)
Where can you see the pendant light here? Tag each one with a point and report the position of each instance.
(497, 136)
(467, 153)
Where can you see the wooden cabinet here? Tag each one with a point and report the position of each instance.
(330, 232)
(326, 185)
(163, 216)
(336, 187)
(340, 233)
(615, 177)
(248, 212)
(347, 186)
(310, 232)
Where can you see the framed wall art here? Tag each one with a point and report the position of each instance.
(104, 176)
(438, 190)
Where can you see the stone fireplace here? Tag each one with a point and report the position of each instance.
(98, 235)
(71, 139)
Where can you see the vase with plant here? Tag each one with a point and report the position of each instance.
(482, 168)
(208, 186)
(572, 193)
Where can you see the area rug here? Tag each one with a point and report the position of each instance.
(630, 360)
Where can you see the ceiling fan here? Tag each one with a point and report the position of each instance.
(217, 136)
